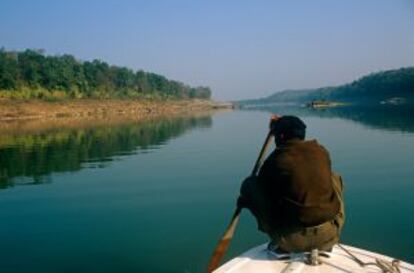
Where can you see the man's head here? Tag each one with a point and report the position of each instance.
(287, 128)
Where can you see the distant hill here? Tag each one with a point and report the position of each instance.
(373, 88)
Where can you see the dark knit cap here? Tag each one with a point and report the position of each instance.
(290, 127)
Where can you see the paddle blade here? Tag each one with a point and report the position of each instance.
(224, 242)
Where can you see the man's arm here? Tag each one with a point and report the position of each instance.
(252, 184)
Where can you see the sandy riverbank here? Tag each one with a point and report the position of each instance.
(86, 109)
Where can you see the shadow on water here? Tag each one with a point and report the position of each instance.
(37, 154)
(385, 117)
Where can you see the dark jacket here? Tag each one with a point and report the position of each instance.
(296, 180)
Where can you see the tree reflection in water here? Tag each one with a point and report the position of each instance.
(38, 154)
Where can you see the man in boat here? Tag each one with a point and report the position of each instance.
(296, 198)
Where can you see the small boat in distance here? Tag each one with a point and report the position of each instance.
(317, 104)
(394, 101)
(342, 258)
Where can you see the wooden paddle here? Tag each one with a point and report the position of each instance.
(224, 242)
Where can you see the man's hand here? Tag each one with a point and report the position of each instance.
(273, 119)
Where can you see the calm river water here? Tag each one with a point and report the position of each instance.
(156, 196)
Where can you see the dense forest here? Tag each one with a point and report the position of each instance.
(32, 74)
(372, 88)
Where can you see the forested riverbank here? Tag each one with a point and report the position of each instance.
(34, 85)
(33, 74)
(391, 86)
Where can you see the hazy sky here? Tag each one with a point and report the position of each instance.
(241, 49)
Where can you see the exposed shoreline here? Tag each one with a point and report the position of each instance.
(79, 109)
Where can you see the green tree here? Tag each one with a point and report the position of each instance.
(9, 72)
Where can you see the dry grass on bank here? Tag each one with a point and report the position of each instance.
(88, 108)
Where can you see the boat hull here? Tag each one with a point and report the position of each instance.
(259, 259)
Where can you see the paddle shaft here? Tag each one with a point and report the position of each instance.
(260, 158)
(224, 242)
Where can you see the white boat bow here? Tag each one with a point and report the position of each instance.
(341, 259)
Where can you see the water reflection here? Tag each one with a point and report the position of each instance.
(36, 154)
(387, 117)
